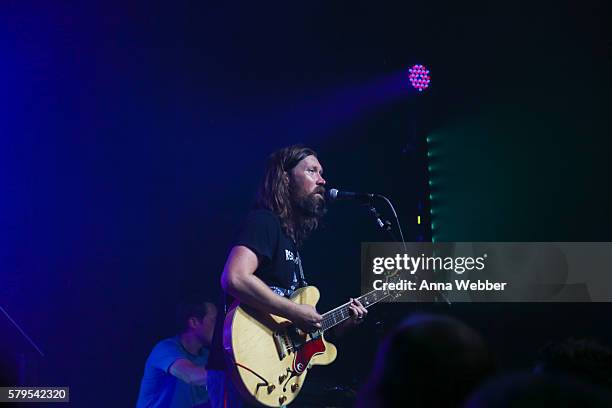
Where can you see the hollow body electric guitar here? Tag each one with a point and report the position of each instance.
(269, 358)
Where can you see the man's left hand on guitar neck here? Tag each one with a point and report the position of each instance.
(358, 315)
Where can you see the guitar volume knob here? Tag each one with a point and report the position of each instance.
(294, 387)
(282, 399)
(271, 388)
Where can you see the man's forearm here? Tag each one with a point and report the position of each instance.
(253, 291)
(198, 376)
(189, 372)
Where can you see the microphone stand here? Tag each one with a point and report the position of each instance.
(20, 358)
(22, 332)
(385, 225)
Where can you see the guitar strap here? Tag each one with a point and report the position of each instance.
(301, 280)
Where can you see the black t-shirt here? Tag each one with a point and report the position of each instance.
(279, 266)
(277, 253)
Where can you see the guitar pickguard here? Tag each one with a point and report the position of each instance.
(306, 352)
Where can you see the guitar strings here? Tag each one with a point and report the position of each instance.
(327, 317)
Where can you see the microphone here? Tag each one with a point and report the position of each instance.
(333, 195)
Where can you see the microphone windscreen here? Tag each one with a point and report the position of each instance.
(331, 194)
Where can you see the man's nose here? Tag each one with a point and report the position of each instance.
(321, 181)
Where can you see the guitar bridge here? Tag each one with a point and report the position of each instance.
(283, 344)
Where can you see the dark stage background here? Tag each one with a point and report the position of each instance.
(132, 136)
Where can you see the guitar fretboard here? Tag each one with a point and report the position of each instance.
(341, 313)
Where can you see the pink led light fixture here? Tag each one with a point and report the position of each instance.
(419, 77)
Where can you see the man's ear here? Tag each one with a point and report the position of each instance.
(286, 177)
(193, 322)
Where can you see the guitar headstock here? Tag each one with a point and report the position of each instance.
(392, 280)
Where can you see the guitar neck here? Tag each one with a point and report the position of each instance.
(342, 312)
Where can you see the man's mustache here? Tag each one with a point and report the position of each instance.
(319, 190)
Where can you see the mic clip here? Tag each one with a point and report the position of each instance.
(385, 225)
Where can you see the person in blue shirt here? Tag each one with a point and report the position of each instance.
(174, 374)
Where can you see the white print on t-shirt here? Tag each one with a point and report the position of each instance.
(289, 255)
(296, 260)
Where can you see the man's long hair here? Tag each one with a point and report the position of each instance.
(275, 192)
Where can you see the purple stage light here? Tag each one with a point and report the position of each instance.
(419, 77)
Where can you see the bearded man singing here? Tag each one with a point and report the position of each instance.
(264, 266)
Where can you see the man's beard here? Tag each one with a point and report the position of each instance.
(310, 205)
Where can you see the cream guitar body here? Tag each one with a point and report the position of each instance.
(268, 358)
